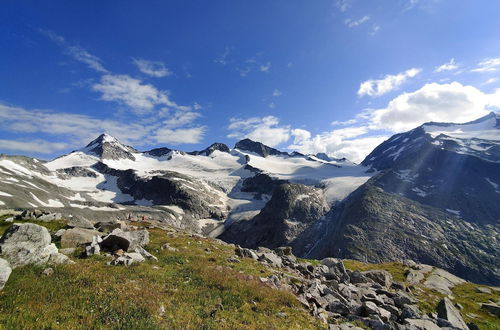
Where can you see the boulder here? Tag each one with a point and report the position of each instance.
(5, 272)
(127, 259)
(381, 277)
(125, 240)
(446, 310)
(26, 243)
(80, 222)
(420, 324)
(107, 226)
(271, 259)
(442, 281)
(75, 237)
(245, 253)
(338, 307)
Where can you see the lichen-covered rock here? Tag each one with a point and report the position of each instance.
(5, 272)
(29, 244)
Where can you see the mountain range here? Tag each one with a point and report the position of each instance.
(431, 194)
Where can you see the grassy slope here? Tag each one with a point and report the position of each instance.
(464, 294)
(197, 289)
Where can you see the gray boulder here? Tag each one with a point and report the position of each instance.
(381, 277)
(29, 244)
(446, 310)
(75, 237)
(5, 271)
(80, 222)
(125, 240)
(270, 258)
(420, 324)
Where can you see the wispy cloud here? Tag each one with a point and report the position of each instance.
(350, 22)
(152, 68)
(141, 98)
(77, 52)
(37, 146)
(277, 92)
(378, 87)
(343, 5)
(78, 129)
(488, 65)
(222, 59)
(449, 66)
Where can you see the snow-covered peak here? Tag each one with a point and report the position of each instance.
(106, 146)
(487, 128)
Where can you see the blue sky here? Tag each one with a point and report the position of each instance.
(334, 76)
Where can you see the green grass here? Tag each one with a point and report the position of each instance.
(467, 296)
(197, 289)
(396, 269)
(52, 226)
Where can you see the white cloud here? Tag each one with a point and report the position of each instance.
(78, 129)
(179, 135)
(343, 5)
(346, 142)
(272, 105)
(77, 52)
(140, 97)
(350, 22)
(277, 92)
(266, 130)
(388, 83)
(152, 68)
(450, 66)
(434, 102)
(488, 65)
(375, 29)
(265, 67)
(35, 146)
(490, 81)
(181, 118)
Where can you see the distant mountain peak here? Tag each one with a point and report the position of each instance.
(108, 147)
(213, 147)
(258, 148)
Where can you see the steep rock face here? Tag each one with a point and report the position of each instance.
(292, 208)
(375, 226)
(258, 148)
(107, 147)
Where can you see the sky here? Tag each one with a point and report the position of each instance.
(333, 76)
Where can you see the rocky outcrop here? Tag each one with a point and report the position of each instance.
(292, 209)
(374, 226)
(447, 311)
(38, 215)
(29, 244)
(339, 296)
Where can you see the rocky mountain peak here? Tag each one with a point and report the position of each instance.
(213, 147)
(108, 147)
(258, 148)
